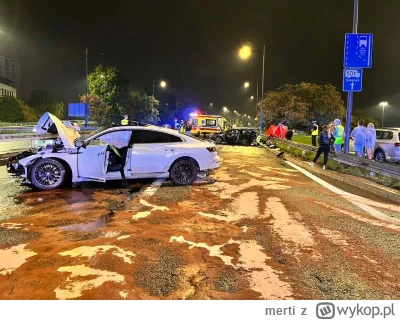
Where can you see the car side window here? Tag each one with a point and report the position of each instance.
(387, 135)
(118, 139)
(148, 136)
(379, 134)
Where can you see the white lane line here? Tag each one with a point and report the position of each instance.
(354, 199)
(151, 190)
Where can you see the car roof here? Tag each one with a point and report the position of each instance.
(388, 128)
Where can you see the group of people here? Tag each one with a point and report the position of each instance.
(331, 137)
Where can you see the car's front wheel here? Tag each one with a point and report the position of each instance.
(183, 172)
(380, 156)
(218, 140)
(48, 174)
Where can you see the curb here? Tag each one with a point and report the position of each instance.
(358, 182)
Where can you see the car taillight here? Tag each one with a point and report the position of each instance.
(397, 144)
(212, 149)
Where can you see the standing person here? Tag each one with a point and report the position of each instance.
(338, 133)
(359, 134)
(125, 121)
(314, 133)
(289, 135)
(370, 140)
(331, 128)
(182, 128)
(188, 128)
(325, 139)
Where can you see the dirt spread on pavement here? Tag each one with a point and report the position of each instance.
(261, 231)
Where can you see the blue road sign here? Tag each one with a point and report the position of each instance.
(358, 50)
(352, 79)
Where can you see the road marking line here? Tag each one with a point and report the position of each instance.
(151, 190)
(354, 199)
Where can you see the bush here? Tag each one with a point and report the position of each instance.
(11, 110)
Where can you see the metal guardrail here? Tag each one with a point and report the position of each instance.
(386, 169)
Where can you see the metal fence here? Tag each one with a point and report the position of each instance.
(386, 169)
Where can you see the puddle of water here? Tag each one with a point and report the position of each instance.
(86, 251)
(123, 237)
(14, 257)
(91, 226)
(74, 287)
(288, 228)
(215, 251)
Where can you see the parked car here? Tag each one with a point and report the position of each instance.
(141, 151)
(387, 147)
(240, 136)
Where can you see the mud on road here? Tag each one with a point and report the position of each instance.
(262, 231)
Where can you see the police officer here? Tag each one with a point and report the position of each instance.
(314, 133)
(338, 133)
(125, 121)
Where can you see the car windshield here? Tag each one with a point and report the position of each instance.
(94, 132)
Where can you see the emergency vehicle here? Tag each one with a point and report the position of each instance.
(203, 124)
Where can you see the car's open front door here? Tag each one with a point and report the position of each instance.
(92, 162)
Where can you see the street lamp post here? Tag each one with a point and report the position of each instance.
(87, 91)
(244, 53)
(383, 104)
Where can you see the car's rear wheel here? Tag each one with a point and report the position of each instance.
(380, 156)
(218, 140)
(246, 142)
(48, 174)
(183, 172)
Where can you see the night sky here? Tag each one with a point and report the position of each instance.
(193, 46)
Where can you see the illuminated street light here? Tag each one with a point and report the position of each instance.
(246, 84)
(383, 104)
(245, 52)
(248, 117)
(225, 109)
(252, 97)
(163, 84)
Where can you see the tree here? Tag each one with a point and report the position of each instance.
(11, 109)
(107, 83)
(143, 107)
(99, 110)
(56, 108)
(29, 114)
(298, 105)
(360, 115)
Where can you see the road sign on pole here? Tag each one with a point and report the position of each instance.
(358, 50)
(352, 80)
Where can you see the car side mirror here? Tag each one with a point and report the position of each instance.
(80, 144)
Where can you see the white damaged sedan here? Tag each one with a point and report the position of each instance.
(113, 153)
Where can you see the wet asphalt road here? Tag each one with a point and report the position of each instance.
(262, 230)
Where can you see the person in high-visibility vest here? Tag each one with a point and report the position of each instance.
(314, 133)
(338, 133)
(182, 129)
(125, 121)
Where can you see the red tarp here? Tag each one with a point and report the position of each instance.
(278, 131)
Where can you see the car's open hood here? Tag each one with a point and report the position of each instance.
(49, 123)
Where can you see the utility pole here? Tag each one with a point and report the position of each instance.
(257, 99)
(87, 90)
(350, 93)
